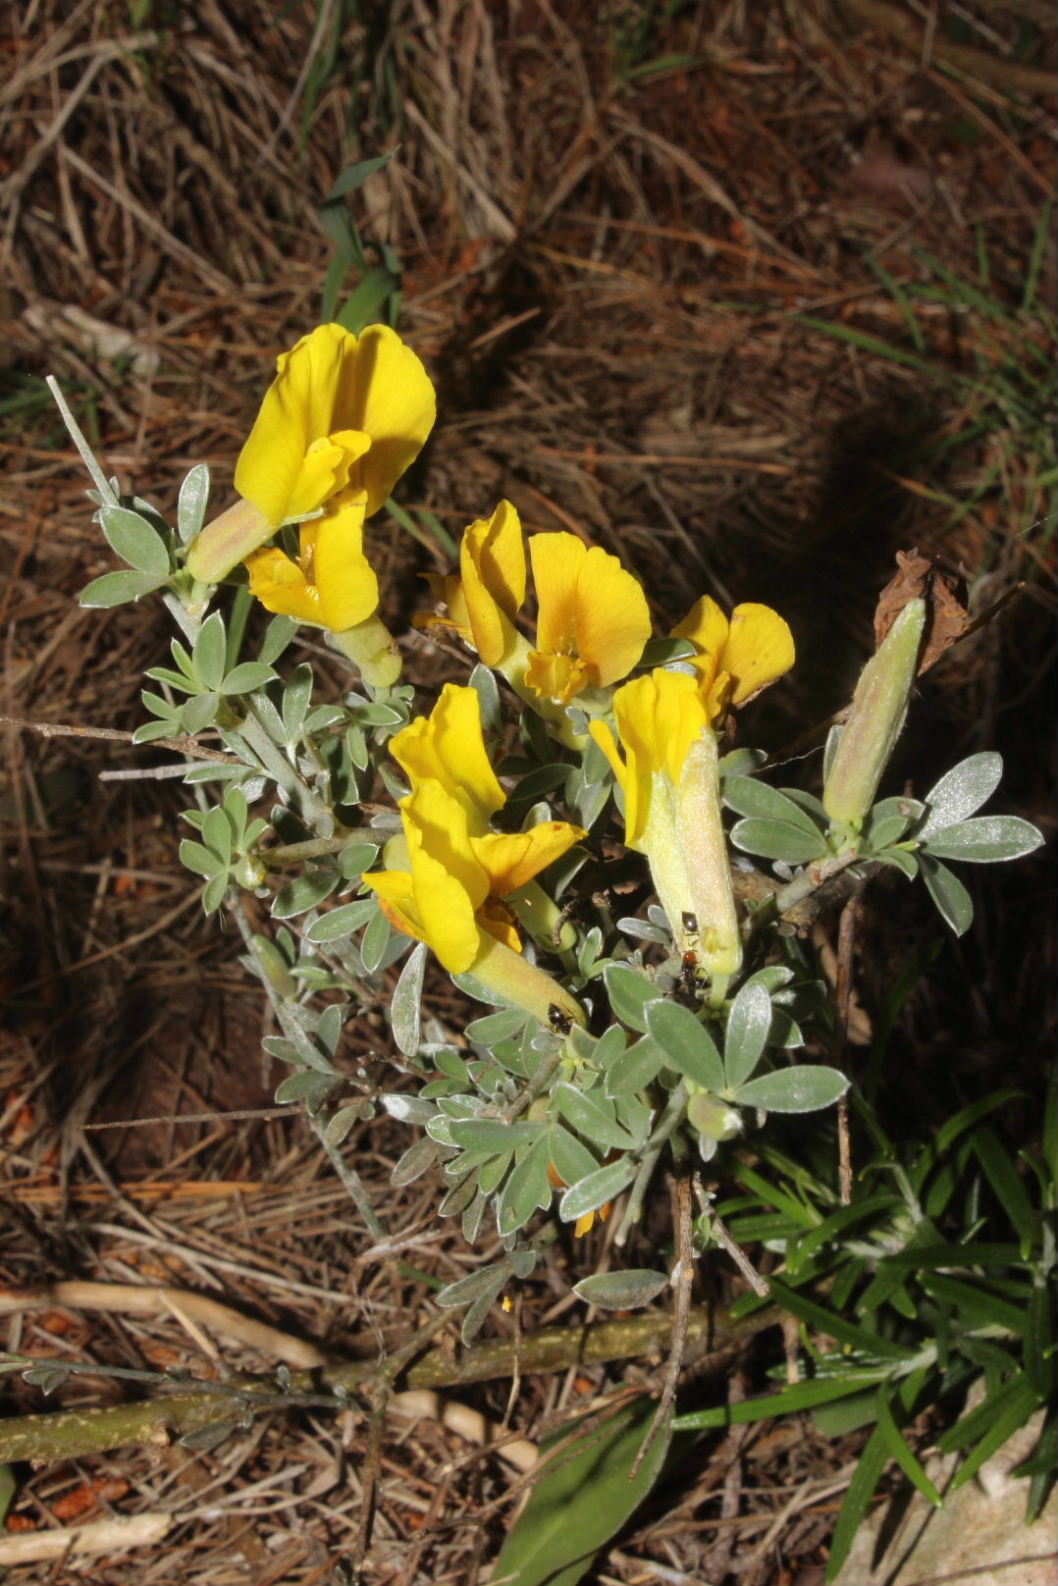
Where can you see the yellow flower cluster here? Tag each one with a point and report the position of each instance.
(344, 418)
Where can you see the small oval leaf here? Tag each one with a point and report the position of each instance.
(621, 1291)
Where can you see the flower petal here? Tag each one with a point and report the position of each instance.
(280, 586)
(290, 463)
(345, 579)
(511, 860)
(759, 649)
(492, 567)
(658, 718)
(600, 612)
(385, 392)
(396, 898)
(706, 626)
(450, 747)
(451, 884)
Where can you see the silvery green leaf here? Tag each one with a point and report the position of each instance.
(740, 762)
(393, 782)
(773, 977)
(785, 1031)
(306, 1085)
(899, 859)
(344, 1119)
(621, 1291)
(330, 1024)
(747, 796)
(439, 1128)
(192, 502)
(593, 1191)
(117, 589)
(452, 1066)
(748, 1024)
(135, 541)
(636, 1117)
(396, 947)
(663, 652)
(961, 792)
(572, 1160)
(473, 1218)
(341, 922)
(214, 892)
(524, 1260)
(592, 1116)
(203, 1438)
(545, 779)
(771, 839)
(322, 717)
(47, 1378)
(528, 1190)
(985, 839)
(630, 992)
(209, 653)
(407, 1109)
(277, 636)
(405, 1009)
(497, 1026)
(198, 713)
(643, 931)
(589, 950)
(303, 893)
(687, 1044)
(417, 1160)
(608, 1047)
(483, 682)
(374, 942)
(216, 833)
(806, 1088)
(953, 902)
(810, 805)
(476, 1317)
(201, 859)
(492, 1134)
(484, 1280)
(635, 1069)
(461, 1106)
(492, 1173)
(247, 676)
(459, 1197)
(375, 715)
(354, 860)
(297, 697)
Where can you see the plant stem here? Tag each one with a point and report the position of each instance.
(73, 1434)
(667, 1123)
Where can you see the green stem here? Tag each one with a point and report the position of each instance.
(74, 1434)
(669, 1121)
(316, 847)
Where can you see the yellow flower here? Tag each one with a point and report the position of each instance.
(331, 584)
(592, 620)
(669, 780)
(735, 659)
(448, 746)
(344, 413)
(451, 894)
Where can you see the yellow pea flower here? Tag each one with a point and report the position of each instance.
(451, 895)
(592, 622)
(448, 746)
(735, 659)
(672, 811)
(344, 413)
(592, 619)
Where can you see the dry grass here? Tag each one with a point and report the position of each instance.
(615, 229)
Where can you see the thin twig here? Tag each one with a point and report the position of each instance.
(851, 915)
(682, 1282)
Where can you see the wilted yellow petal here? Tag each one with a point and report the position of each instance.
(495, 918)
(448, 746)
(345, 579)
(492, 567)
(759, 649)
(280, 586)
(511, 860)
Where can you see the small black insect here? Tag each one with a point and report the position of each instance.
(560, 1022)
(689, 976)
(689, 922)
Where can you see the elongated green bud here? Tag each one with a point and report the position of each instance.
(225, 542)
(879, 706)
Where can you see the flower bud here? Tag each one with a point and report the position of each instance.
(879, 706)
